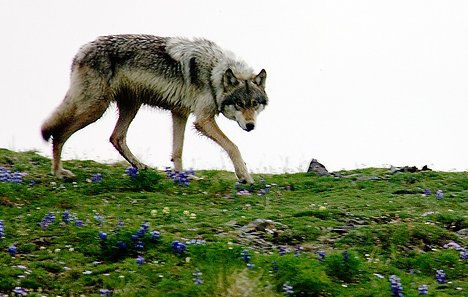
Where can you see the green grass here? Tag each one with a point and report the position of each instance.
(376, 216)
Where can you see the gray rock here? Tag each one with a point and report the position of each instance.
(317, 168)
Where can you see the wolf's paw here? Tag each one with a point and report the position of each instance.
(64, 174)
(246, 179)
(141, 166)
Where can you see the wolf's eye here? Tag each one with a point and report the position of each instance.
(237, 106)
(254, 103)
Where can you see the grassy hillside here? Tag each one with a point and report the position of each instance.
(112, 232)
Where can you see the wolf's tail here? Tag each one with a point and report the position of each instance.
(58, 120)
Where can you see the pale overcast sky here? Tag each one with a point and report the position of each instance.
(351, 83)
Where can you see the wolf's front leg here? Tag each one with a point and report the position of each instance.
(178, 132)
(210, 129)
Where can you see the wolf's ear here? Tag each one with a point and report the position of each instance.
(260, 79)
(229, 80)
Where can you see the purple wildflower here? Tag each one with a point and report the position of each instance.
(250, 266)
(178, 247)
(47, 220)
(464, 255)
(282, 251)
(102, 236)
(139, 245)
(321, 255)
(396, 286)
(99, 219)
(346, 256)
(423, 290)
(79, 223)
(96, 178)
(2, 230)
(140, 260)
(12, 250)
(105, 292)
(132, 172)
(440, 194)
(11, 177)
(180, 178)
(4, 175)
(441, 276)
(298, 251)
(121, 245)
(155, 235)
(427, 192)
(19, 291)
(287, 289)
(66, 217)
(246, 256)
(275, 266)
(197, 277)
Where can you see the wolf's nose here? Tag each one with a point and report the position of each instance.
(249, 126)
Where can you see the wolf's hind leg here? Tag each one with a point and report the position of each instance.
(71, 119)
(118, 138)
(178, 131)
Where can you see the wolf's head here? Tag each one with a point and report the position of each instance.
(244, 98)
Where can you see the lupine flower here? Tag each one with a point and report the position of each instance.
(178, 247)
(287, 289)
(99, 219)
(139, 245)
(105, 292)
(321, 255)
(132, 172)
(275, 266)
(396, 286)
(4, 175)
(12, 250)
(120, 223)
(241, 190)
(196, 241)
(145, 225)
(102, 236)
(66, 217)
(440, 194)
(464, 255)
(155, 235)
(246, 256)
(96, 178)
(2, 230)
(47, 220)
(197, 277)
(427, 192)
(423, 290)
(140, 260)
(121, 245)
(298, 251)
(346, 256)
(441, 276)
(11, 177)
(453, 245)
(19, 291)
(250, 266)
(141, 232)
(180, 178)
(282, 251)
(79, 223)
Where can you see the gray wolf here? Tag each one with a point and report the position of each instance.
(184, 76)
